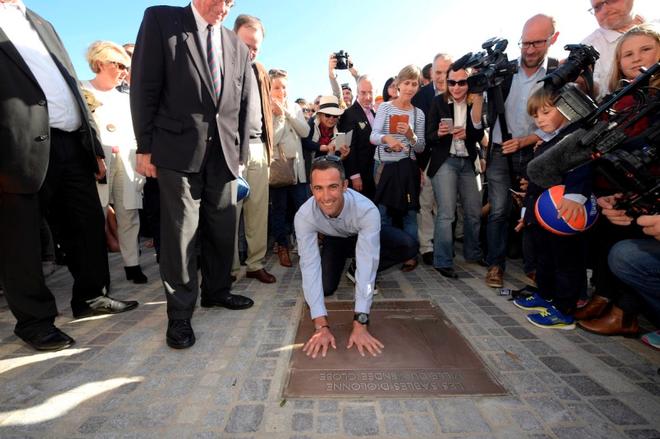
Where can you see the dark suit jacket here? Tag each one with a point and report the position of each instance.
(174, 109)
(24, 125)
(440, 146)
(422, 100)
(361, 158)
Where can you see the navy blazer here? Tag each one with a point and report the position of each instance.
(440, 146)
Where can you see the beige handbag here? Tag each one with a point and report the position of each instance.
(281, 169)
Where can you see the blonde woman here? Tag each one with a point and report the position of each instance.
(398, 133)
(110, 63)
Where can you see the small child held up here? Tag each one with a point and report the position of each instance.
(561, 260)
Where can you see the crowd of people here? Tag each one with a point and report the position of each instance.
(159, 140)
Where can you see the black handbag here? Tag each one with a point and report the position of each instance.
(281, 169)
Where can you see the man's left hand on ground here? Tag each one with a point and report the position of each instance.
(361, 338)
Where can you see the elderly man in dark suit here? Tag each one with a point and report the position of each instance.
(189, 99)
(358, 118)
(49, 154)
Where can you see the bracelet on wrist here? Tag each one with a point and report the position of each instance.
(318, 328)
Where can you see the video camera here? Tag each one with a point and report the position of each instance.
(493, 65)
(580, 61)
(632, 165)
(342, 60)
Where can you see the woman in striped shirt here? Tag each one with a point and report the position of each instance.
(398, 133)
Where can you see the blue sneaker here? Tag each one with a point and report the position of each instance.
(533, 302)
(652, 339)
(552, 318)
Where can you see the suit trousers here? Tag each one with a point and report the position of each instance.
(128, 220)
(426, 214)
(255, 210)
(196, 206)
(68, 198)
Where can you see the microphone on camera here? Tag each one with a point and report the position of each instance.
(568, 153)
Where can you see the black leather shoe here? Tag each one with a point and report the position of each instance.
(106, 305)
(427, 258)
(447, 272)
(481, 262)
(50, 339)
(232, 301)
(135, 274)
(180, 334)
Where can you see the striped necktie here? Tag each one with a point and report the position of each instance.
(214, 61)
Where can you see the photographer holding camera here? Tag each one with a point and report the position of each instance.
(342, 61)
(512, 138)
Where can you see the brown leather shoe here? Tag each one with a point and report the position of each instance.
(494, 277)
(614, 322)
(262, 275)
(283, 254)
(531, 278)
(593, 309)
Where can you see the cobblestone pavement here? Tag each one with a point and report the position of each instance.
(120, 379)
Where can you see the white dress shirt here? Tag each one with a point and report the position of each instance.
(604, 41)
(358, 217)
(202, 32)
(63, 111)
(519, 123)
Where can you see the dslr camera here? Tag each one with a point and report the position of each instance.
(342, 60)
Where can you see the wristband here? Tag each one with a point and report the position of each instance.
(318, 328)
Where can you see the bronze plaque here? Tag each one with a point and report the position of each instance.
(424, 356)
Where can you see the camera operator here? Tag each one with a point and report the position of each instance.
(513, 138)
(636, 262)
(614, 17)
(342, 61)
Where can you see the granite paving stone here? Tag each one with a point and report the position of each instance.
(396, 426)
(618, 412)
(245, 419)
(360, 421)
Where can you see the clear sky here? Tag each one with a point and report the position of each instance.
(380, 35)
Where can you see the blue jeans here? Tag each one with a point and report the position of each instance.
(637, 263)
(499, 183)
(282, 200)
(456, 176)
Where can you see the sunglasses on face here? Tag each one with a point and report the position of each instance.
(460, 82)
(330, 116)
(119, 65)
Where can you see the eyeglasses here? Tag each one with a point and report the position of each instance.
(119, 65)
(307, 110)
(328, 158)
(535, 44)
(330, 116)
(599, 6)
(460, 82)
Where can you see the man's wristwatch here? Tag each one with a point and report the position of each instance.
(361, 317)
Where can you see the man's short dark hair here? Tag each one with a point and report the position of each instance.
(426, 71)
(325, 162)
(249, 21)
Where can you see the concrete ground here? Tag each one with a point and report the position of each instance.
(121, 380)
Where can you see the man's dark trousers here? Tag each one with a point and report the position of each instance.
(396, 246)
(196, 206)
(69, 199)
